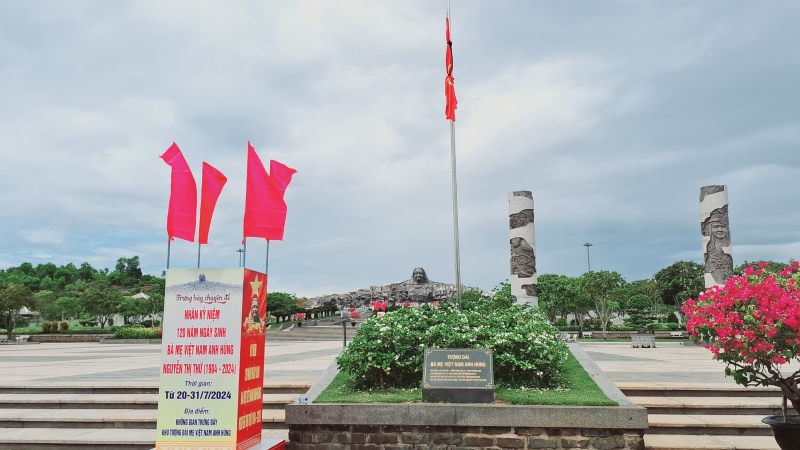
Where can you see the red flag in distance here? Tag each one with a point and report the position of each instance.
(182, 214)
(451, 103)
(213, 181)
(265, 209)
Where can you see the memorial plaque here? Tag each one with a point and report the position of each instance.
(458, 375)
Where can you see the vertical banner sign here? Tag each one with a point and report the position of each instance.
(212, 360)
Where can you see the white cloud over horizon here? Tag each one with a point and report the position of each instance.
(613, 114)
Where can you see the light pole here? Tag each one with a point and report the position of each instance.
(240, 251)
(588, 262)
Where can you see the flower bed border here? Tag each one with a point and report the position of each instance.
(343, 426)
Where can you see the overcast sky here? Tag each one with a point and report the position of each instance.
(613, 113)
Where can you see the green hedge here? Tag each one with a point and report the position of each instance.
(137, 333)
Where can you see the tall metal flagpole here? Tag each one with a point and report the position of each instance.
(266, 265)
(455, 196)
(244, 252)
(198, 253)
(169, 245)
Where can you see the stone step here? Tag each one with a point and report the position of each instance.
(108, 401)
(103, 418)
(91, 438)
(706, 390)
(269, 388)
(765, 406)
(698, 424)
(705, 442)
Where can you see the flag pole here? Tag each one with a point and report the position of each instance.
(455, 195)
(169, 245)
(244, 252)
(266, 266)
(198, 253)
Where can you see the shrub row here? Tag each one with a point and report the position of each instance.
(52, 327)
(137, 333)
(389, 350)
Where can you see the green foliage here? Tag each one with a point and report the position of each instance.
(281, 305)
(622, 327)
(680, 281)
(388, 351)
(640, 312)
(12, 298)
(606, 289)
(576, 387)
(137, 333)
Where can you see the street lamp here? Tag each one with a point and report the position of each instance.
(588, 262)
(240, 252)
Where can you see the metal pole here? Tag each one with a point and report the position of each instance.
(169, 245)
(588, 262)
(244, 252)
(455, 211)
(240, 251)
(198, 254)
(266, 266)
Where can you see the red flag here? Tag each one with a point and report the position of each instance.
(182, 215)
(213, 181)
(451, 104)
(265, 210)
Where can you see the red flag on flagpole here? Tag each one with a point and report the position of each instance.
(182, 215)
(449, 82)
(265, 209)
(213, 181)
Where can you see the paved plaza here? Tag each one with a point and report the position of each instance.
(65, 364)
(290, 362)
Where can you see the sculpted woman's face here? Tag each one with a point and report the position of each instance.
(719, 230)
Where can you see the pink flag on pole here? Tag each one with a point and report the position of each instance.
(265, 210)
(182, 215)
(213, 181)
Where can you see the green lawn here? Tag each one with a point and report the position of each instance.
(579, 390)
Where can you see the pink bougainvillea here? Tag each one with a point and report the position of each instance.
(752, 324)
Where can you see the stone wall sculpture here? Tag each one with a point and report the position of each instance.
(715, 229)
(523, 247)
(416, 290)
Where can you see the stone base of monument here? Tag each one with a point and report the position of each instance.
(449, 425)
(457, 395)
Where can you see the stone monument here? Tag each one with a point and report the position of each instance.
(523, 247)
(417, 290)
(716, 235)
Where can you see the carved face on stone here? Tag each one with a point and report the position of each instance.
(419, 276)
(718, 230)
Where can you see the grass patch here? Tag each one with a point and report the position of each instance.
(580, 390)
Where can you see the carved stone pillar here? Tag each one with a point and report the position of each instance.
(716, 235)
(523, 247)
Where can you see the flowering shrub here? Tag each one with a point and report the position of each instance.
(299, 316)
(354, 315)
(753, 325)
(388, 351)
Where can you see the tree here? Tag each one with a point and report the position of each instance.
(554, 295)
(606, 290)
(69, 305)
(680, 281)
(101, 301)
(281, 304)
(127, 272)
(46, 305)
(640, 311)
(12, 298)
